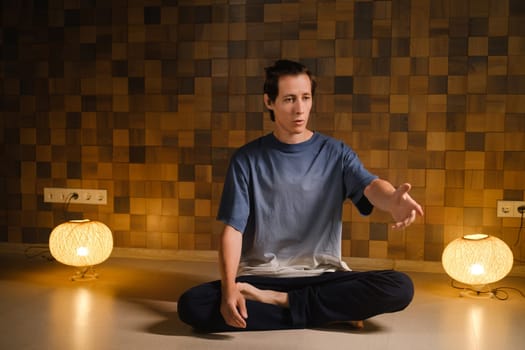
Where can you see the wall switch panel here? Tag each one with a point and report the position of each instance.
(85, 196)
(509, 209)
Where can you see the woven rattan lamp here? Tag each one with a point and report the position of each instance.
(81, 243)
(477, 260)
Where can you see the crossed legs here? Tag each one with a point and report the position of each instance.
(301, 302)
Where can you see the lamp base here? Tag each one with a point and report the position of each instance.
(85, 274)
(469, 293)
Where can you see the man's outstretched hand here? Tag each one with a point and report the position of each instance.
(403, 208)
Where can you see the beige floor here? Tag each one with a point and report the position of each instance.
(133, 306)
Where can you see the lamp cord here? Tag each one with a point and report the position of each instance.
(499, 293)
(43, 251)
(70, 197)
(518, 239)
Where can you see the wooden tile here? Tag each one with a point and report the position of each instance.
(152, 104)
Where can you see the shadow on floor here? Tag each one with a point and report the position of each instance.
(370, 327)
(171, 325)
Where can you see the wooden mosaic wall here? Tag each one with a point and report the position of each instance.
(148, 99)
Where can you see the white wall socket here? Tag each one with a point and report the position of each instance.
(85, 196)
(509, 209)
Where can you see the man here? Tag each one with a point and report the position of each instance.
(280, 252)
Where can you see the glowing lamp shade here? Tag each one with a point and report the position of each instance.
(81, 243)
(477, 259)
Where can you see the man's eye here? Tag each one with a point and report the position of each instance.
(288, 99)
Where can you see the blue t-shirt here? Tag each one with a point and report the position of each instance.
(287, 200)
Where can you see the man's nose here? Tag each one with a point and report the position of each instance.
(300, 106)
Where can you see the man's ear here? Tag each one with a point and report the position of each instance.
(267, 102)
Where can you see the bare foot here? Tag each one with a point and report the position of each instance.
(357, 324)
(353, 324)
(263, 295)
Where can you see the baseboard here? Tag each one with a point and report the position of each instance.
(165, 254)
(211, 256)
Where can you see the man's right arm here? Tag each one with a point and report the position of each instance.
(233, 304)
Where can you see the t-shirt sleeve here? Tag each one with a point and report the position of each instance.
(234, 208)
(356, 178)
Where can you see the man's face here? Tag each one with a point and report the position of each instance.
(292, 106)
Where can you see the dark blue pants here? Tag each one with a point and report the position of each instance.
(314, 301)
